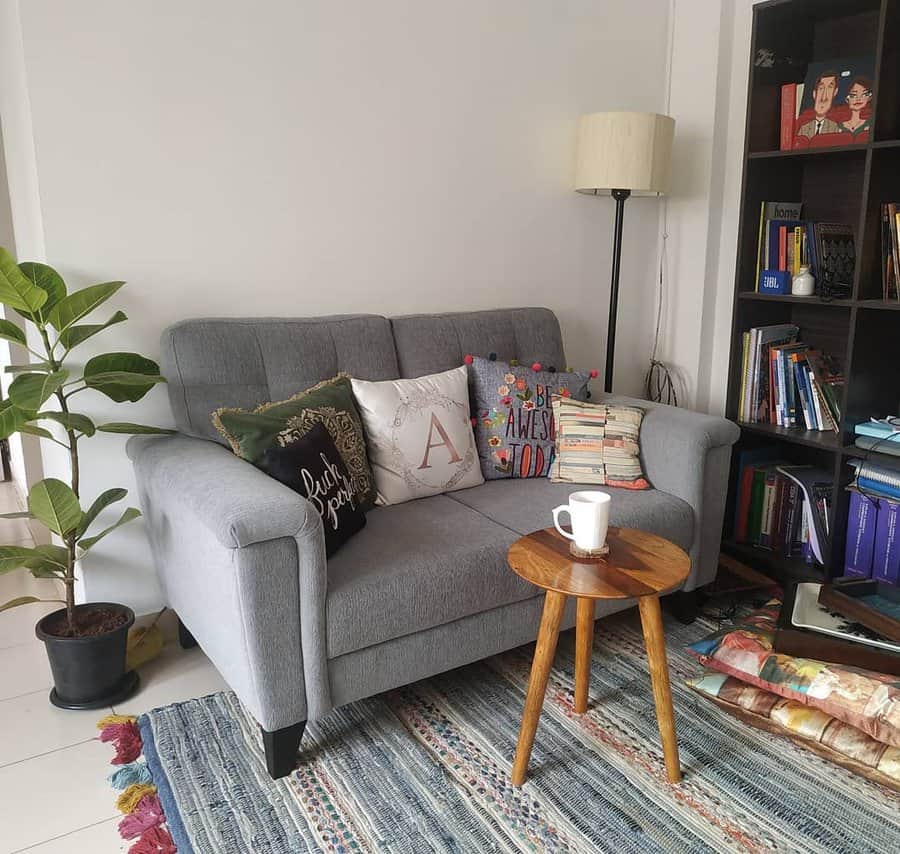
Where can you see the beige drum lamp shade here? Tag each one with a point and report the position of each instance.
(624, 151)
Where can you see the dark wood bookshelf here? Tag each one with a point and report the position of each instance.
(845, 184)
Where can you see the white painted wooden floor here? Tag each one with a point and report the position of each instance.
(54, 797)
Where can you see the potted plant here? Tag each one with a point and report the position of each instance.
(86, 643)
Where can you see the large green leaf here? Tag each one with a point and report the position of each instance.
(74, 335)
(34, 430)
(30, 368)
(12, 418)
(26, 600)
(10, 332)
(29, 391)
(70, 420)
(47, 279)
(54, 504)
(16, 290)
(101, 502)
(127, 516)
(134, 429)
(72, 308)
(122, 376)
(49, 562)
(15, 557)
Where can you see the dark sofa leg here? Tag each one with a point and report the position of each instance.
(684, 606)
(281, 747)
(185, 638)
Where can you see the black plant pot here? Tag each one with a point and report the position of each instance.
(89, 672)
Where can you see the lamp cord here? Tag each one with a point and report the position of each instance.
(659, 385)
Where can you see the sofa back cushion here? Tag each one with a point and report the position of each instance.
(243, 362)
(431, 343)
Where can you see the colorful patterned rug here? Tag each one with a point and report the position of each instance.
(426, 768)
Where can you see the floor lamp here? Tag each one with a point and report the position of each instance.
(622, 155)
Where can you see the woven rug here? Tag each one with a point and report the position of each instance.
(426, 768)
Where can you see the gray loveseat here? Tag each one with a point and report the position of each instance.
(425, 586)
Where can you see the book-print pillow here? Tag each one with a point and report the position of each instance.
(597, 443)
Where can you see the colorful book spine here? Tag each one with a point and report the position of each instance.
(792, 523)
(768, 510)
(817, 408)
(754, 522)
(861, 524)
(782, 247)
(886, 556)
(789, 99)
(745, 361)
(806, 552)
(798, 249)
(801, 390)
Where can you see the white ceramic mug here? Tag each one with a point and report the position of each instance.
(589, 512)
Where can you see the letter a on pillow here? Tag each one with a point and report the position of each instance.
(418, 435)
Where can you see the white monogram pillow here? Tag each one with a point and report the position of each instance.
(418, 435)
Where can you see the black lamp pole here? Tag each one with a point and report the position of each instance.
(619, 196)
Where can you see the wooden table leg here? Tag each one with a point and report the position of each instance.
(655, 641)
(584, 643)
(537, 684)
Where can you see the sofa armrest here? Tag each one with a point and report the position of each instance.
(688, 454)
(236, 501)
(241, 559)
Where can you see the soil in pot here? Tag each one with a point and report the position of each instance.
(88, 622)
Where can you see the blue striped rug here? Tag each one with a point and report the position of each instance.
(426, 768)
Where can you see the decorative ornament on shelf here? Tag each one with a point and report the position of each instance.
(804, 284)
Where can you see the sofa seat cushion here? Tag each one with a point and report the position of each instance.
(415, 566)
(523, 506)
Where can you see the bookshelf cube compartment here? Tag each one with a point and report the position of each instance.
(789, 36)
(875, 386)
(884, 187)
(824, 326)
(774, 562)
(828, 183)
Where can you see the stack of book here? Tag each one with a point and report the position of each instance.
(784, 239)
(782, 508)
(878, 435)
(873, 538)
(787, 382)
(890, 250)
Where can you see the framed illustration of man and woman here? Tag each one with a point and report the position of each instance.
(838, 105)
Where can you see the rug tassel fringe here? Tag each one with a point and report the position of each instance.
(144, 817)
(126, 738)
(115, 719)
(155, 841)
(147, 814)
(133, 772)
(128, 801)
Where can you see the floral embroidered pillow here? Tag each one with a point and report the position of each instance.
(513, 415)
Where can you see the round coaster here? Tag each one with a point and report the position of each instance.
(577, 552)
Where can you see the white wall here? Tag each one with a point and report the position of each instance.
(20, 220)
(302, 158)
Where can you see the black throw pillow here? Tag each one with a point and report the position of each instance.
(312, 466)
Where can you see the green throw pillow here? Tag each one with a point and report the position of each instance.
(252, 432)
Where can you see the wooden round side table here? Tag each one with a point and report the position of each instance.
(639, 566)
